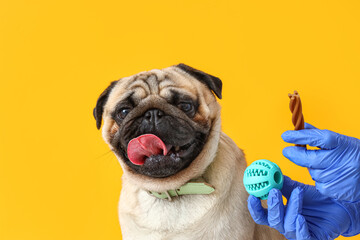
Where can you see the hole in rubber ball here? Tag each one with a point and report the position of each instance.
(277, 177)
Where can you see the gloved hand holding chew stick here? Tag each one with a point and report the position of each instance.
(296, 109)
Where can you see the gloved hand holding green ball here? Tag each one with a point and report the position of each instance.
(302, 217)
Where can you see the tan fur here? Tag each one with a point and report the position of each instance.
(220, 215)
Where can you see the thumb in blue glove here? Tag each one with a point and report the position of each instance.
(335, 168)
(307, 215)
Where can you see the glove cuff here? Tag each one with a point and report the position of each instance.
(353, 209)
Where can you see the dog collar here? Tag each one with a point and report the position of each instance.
(190, 188)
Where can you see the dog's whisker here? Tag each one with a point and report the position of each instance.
(103, 155)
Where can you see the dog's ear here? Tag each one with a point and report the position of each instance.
(99, 108)
(212, 82)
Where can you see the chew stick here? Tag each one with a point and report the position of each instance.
(296, 109)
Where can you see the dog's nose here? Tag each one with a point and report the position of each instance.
(154, 116)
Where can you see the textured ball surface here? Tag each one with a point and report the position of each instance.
(261, 176)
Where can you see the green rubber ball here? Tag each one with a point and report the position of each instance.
(262, 176)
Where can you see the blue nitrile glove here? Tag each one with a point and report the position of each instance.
(335, 168)
(308, 214)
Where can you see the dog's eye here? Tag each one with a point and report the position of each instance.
(186, 107)
(123, 112)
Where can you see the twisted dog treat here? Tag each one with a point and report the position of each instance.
(296, 109)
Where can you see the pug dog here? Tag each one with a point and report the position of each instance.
(164, 128)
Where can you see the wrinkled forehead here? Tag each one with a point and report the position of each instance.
(163, 83)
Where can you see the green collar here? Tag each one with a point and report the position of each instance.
(189, 188)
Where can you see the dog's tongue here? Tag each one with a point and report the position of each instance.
(145, 146)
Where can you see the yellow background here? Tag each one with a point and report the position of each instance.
(58, 179)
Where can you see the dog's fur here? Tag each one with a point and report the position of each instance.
(220, 215)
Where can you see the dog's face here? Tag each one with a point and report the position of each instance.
(176, 105)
